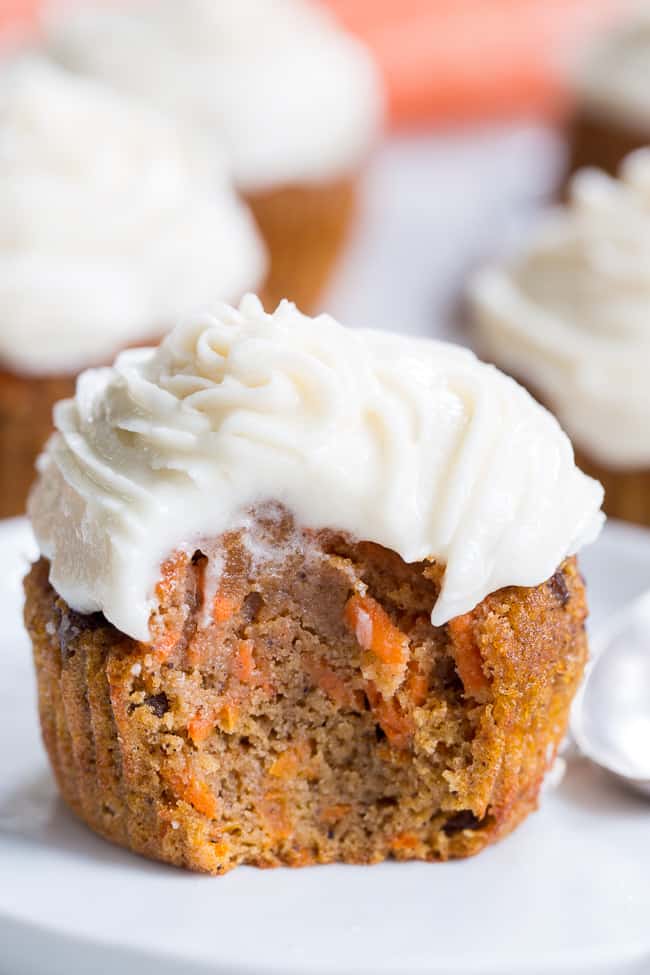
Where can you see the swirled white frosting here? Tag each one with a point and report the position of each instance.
(615, 78)
(111, 224)
(409, 443)
(571, 317)
(287, 94)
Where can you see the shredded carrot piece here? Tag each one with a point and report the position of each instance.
(243, 662)
(405, 841)
(397, 726)
(417, 685)
(199, 727)
(273, 808)
(195, 791)
(331, 815)
(224, 606)
(374, 630)
(228, 717)
(220, 848)
(286, 765)
(467, 654)
(199, 794)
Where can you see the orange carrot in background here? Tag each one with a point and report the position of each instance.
(450, 60)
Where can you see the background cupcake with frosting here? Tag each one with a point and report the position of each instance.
(570, 318)
(612, 114)
(111, 226)
(293, 101)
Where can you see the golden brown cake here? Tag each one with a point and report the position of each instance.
(603, 142)
(307, 594)
(304, 229)
(25, 424)
(100, 249)
(627, 492)
(286, 732)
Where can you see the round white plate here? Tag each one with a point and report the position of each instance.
(568, 892)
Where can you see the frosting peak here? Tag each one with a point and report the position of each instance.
(412, 444)
(571, 316)
(112, 223)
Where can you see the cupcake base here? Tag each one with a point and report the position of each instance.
(303, 709)
(603, 142)
(627, 492)
(304, 228)
(26, 404)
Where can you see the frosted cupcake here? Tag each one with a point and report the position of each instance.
(571, 319)
(307, 594)
(111, 226)
(293, 101)
(612, 116)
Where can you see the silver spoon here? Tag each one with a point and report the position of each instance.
(610, 722)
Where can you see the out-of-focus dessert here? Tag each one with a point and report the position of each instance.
(570, 318)
(307, 594)
(293, 101)
(111, 226)
(612, 114)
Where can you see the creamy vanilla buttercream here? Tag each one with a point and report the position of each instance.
(288, 95)
(112, 223)
(615, 77)
(571, 317)
(413, 444)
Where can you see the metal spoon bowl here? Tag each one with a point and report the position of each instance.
(610, 721)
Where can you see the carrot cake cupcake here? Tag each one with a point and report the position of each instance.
(292, 99)
(111, 226)
(570, 319)
(612, 116)
(306, 594)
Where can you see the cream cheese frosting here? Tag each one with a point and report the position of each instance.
(112, 223)
(409, 443)
(277, 84)
(615, 78)
(571, 316)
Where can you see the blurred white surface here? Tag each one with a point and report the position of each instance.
(434, 208)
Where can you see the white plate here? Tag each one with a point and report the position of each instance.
(569, 892)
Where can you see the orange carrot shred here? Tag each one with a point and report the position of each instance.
(199, 727)
(224, 606)
(244, 662)
(228, 716)
(375, 631)
(467, 654)
(397, 726)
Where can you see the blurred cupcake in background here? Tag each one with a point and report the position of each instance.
(571, 319)
(293, 101)
(612, 115)
(111, 227)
